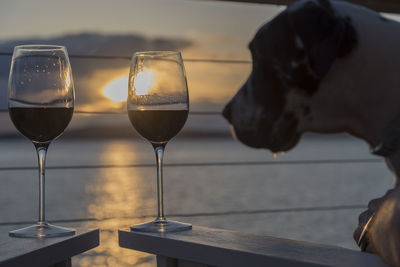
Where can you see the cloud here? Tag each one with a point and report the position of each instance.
(122, 45)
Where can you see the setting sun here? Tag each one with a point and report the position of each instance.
(117, 90)
(144, 81)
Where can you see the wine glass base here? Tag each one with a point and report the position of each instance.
(41, 230)
(161, 226)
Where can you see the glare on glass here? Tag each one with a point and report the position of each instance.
(158, 106)
(41, 103)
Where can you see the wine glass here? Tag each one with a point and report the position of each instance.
(41, 103)
(158, 106)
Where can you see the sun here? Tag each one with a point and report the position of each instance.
(117, 89)
(144, 82)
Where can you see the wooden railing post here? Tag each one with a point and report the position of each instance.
(163, 261)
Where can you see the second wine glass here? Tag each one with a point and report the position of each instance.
(158, 106)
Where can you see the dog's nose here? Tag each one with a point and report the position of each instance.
(227, 112)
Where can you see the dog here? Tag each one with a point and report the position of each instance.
(328, 67)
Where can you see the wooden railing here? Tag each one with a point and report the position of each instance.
(45, 252)
(201, 247)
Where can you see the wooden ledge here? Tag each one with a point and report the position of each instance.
(206, 246)
(46, 251)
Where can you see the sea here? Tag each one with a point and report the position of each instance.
(314, 192)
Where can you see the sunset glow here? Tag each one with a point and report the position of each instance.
(117, 90)
(68, 80)
(144, 81)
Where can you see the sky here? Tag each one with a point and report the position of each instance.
(163, 17)
(200, 29)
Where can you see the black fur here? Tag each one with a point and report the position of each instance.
(325, 35)
(294, 51)
(350, 39)
(382, 18)
(306, 110)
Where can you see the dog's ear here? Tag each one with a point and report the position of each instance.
(320, 32)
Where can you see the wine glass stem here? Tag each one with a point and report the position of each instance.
(159, 150)
(41, 149)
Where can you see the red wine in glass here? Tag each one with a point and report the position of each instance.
(41, 104)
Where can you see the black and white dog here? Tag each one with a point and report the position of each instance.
(328, 67)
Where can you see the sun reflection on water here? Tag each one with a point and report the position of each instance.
(119, 193)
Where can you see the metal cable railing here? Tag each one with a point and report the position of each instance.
(205, 214)
(189, 164)
(198, 60)
(199, 164)
(123, 112)
(219, 61)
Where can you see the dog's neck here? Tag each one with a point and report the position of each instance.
(361, 93)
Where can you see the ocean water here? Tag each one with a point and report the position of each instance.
(119, 196)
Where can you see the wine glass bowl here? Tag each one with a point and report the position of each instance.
(41, 104)
(158, 106)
